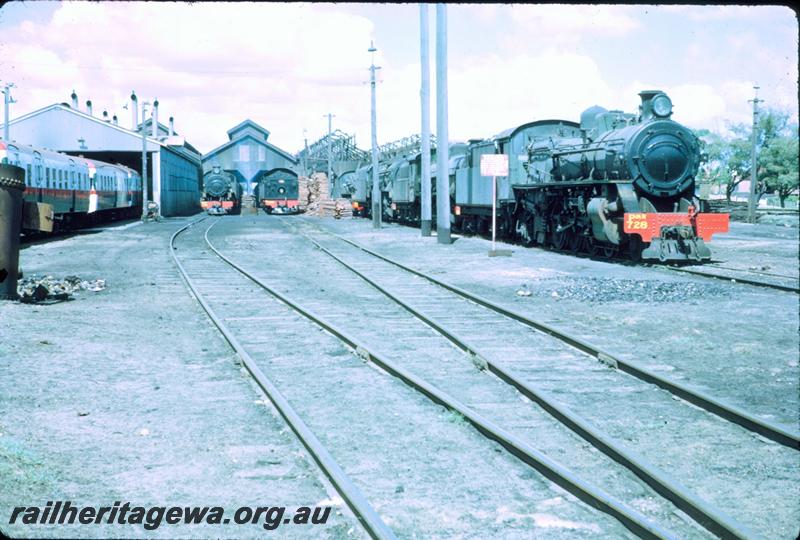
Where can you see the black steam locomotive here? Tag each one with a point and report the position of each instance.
(222, 193)
(613, 184)
(278, 191)
(626, 185)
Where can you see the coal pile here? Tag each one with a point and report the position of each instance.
(47, 289)
(600, 290)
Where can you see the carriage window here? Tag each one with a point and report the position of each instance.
(47, 175)
(29, 179)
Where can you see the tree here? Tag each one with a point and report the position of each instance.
(777, 155)
(778, 167)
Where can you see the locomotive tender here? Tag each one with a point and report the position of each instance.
(614, 184)
(68, 189)
(221, 192)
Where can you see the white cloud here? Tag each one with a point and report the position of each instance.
(264, 61)
(571, 22)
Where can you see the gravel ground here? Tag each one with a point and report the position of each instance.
(128, 394)
(183, 426)
(737, 342)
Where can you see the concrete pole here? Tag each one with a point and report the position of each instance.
(425, 98)
(145, 194)
(442, 142)
(751, 206)
(376, 190)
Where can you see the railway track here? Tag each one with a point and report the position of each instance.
(700, 399)
(423, 301)
(429, 362)
(380, 446)
(789, 283)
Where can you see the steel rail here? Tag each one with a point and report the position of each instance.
(357, 502)
(713, 519)
(744, 280)
(759, 272)
(629, 517)
(701, 399)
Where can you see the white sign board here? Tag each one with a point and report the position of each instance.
(494, 165)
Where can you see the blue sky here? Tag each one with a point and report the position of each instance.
(285, 65)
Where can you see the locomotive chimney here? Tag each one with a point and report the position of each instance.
(647, 103)
(134, 112)
(155, 118)
(74, 97)
(89, 107)
(171, 126)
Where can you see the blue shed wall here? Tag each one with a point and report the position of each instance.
(180, 185)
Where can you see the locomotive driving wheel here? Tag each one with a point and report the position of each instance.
(559, 239)
(609, 251)
(575, 241)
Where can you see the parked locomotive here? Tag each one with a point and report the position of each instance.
(222, 193)
(278, 191)
(625, 186)
(63, 190)
(613, 184)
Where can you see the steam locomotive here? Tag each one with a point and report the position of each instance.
(63, 190)
(278, 191)
(222, 192)
(614, 184)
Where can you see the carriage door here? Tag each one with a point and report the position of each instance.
(73, 188)
(38, 175)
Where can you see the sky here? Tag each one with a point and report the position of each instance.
(286, 65)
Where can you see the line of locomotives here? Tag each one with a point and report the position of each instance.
(615, 185)
(276, 191)
(63, 190)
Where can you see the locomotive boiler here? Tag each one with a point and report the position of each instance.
(626, 185)
(221, 192)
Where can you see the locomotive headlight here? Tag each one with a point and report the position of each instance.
(662, 105)
(281, 190)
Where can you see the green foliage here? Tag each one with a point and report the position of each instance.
(729, 159)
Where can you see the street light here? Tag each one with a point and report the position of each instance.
(145, 194)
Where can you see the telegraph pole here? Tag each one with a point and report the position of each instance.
(376, 190)
(751, 207)
(145, 194)
(425, 98)
(8, 100)
(442, 143)
(330, 167)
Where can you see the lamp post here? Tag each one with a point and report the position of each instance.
(376, 190)
(751, 205)
(7, 101)
(145, 194)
